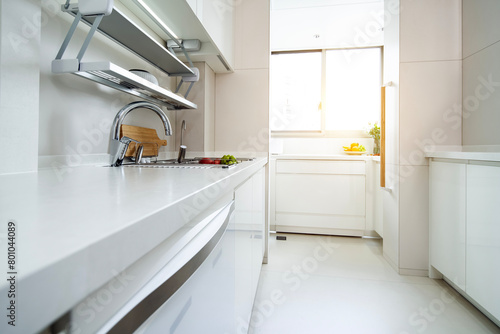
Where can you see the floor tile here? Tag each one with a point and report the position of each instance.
(302, 290)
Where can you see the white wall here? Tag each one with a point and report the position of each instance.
(481, 52)
(199, 135)
(317, 146)
(19, 82)
(242, 97)
(75, 113)
(338, 23)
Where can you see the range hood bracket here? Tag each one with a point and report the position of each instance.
(126, 33)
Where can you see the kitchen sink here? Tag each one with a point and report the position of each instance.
(187, 163)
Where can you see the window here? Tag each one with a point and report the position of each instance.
(296, 91)
(325, 92)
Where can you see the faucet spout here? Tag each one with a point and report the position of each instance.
(116, 146)
(120, 116)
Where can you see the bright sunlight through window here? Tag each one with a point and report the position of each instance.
(296, 91)
(352, 88)
(328, 90)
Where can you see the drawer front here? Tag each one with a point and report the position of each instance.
(320, 167)
(175, 299)
(320, 194)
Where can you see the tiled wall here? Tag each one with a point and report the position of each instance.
(481, 79)
(19, 86)
(242, 97)
(199, 134)
(76, 114)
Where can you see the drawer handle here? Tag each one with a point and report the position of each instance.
(181, 315)
(145, 308)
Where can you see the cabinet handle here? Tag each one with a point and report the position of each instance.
(382, 138)
(146, 307)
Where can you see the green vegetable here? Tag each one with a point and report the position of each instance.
(228, 160)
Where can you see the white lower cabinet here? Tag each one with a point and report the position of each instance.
(249, 247)
(483, 237)
(320, 197)
(202, 279)
(203, 304)
(465, 229)
(447, 220)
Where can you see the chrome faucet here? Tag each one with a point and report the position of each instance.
(182, 148)
(183, 128)
(118, 147)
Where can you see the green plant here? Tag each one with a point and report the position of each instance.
(374, 131)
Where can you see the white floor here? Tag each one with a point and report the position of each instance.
(320, 284)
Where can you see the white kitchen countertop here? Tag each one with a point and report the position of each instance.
(460, 155)
(77, 230)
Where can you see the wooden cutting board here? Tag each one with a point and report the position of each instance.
(148, 137)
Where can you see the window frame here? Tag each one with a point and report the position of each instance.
(324, 133)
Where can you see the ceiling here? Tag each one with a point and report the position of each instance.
(289, 4)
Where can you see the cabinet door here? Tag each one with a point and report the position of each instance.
(258, 220)
(249, 200)
(205, 302)
(483, 237)
(326, 195)
(447, 220)
(243, 210)
(378, 215)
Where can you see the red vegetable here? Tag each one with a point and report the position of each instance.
(206, 161)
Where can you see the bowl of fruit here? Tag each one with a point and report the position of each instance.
(355, 149)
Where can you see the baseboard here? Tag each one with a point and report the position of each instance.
(414, 272)
(319, 230)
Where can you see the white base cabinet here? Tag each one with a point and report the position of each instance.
(447, 220)
(205, 300)
(483, 237)
(249, 246)
(465, 230)
(203, 279)
(320, 197)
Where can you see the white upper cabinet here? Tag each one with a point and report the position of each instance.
(209, 21)
(217, 18)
